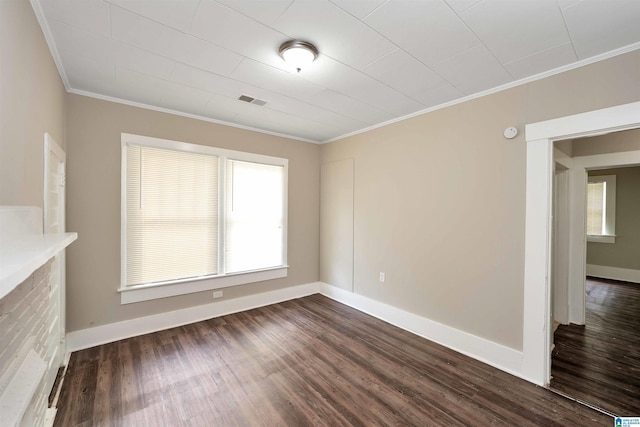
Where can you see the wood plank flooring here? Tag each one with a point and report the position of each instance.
(600, 363)
(310, 361)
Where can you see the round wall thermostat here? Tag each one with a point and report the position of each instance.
(510, 132)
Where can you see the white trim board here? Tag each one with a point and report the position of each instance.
(40, 16)
(506, 86)
(491, 353)
(614, 273)
(91, 337)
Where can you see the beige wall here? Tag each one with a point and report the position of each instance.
(611, 143)
(625, 252)
(565, 147)
(31, 103)
(93, 205)
(440, 199)
(336, 223)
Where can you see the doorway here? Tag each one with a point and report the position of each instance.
(536, 362)
(596, 361)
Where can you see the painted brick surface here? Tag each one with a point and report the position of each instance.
(26, 313)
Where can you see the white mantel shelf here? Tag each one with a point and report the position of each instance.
(23, 247)
(20, 259)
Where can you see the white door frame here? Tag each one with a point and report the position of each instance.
(536, 345)
(578, 259)
(561, 232)
(51, 147)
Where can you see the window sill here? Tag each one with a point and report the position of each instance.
(605, 238)
(155, 291)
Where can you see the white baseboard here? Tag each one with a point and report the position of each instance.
(496, 355)
(91, 337)
(491, 353)
(615, 273)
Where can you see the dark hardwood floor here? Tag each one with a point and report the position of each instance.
(310, 361)
(600, 363)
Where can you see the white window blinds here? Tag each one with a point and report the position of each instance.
(596, 207)
(254, 216)
(171, 215)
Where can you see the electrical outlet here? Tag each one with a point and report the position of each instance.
(382, 277)
(217, 294)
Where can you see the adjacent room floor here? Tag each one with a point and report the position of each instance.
(600, 363)
(310, 361)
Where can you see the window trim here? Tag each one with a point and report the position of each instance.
(609, 235)
(144, 292)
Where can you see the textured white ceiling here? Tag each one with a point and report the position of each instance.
(379, 60)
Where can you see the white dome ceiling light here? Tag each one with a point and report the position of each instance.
(298, 54)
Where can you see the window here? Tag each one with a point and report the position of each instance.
(254, 217)
(601, 209)
(196, 218)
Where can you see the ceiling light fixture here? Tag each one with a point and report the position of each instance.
(298, 54)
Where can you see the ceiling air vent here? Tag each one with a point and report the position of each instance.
(252, 100)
